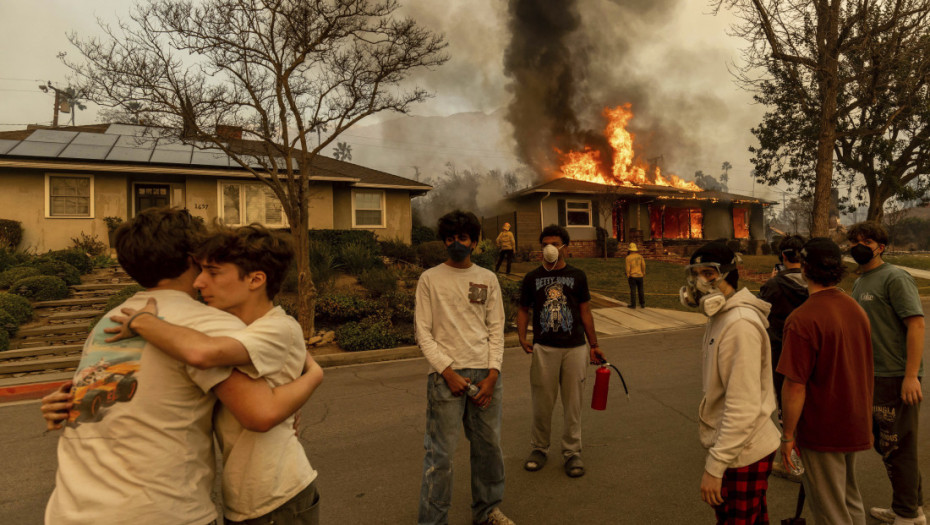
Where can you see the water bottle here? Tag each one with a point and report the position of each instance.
(473, 390)
(796, 461)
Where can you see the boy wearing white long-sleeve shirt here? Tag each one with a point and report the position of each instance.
(460, 329)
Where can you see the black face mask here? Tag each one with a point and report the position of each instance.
(458, 252)
(862, 254)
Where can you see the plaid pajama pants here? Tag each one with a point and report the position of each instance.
(744, 494)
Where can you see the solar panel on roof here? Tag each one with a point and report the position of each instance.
(130, 141)
(172, 153)
(29, 148)
(52, 135)
(95, 139)
(210, 157)
(85, 151)
(6, 145)
(129, 154)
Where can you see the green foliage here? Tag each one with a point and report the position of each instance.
(323, 266)
(342, 307)
(400, 305)
(17, 306)
(76, 258)
(421, 234)
(336, 238)
(41, 288)
(485, 255)
(356, 257)
(368, 334)
(510, 296)
(398, 250)
(89, 244)
(8, 323)
(7, 259)
(112, 223)
(4, 341)
(288, 302)
(104, 261)
(432, 253)
(67, 273)
(8, 277)
(11, 234)
(379, 280)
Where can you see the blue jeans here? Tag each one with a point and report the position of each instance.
(445, 416)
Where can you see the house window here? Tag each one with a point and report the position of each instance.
(245, 203)
(368, 208)
(740, 223)
(69, 196)
(578, 213)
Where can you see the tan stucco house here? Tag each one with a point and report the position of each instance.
(64, 181)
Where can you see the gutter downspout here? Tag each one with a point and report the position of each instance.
(542, 224)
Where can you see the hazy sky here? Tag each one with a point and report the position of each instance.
(670, 54)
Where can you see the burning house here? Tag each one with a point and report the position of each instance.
(607, 188)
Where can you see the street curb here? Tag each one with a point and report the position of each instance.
(386, 354)
(9, 394)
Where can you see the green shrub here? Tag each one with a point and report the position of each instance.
(379, 280)
(41, 288)
(23, 258)
(400, 305)
(288, 302)
(510, 296)
(342, 307)
(323, 265)
(64, 271)
(368, 334)
(356, 257)
(113, 223)
(4, 341)
(8, 323)
(16, 273)
(78, 259)
(432, 253)
(485, 255)
(89, 244)
(7, 260)
(399, 250)
(421, 234)
(11, 234)
(103, 261)
(19, 307)
(336, 238)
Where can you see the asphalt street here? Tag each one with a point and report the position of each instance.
(363, 432)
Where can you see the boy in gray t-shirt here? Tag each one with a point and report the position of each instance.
(889, 297)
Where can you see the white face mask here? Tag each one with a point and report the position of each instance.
(703, 294)
(550, 253)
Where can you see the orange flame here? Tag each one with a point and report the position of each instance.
(585, 165)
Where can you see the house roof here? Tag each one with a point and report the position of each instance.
(119, 147)
(569, 185)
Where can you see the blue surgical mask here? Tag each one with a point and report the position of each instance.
(458, 252)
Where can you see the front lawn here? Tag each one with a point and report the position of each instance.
(664, 279)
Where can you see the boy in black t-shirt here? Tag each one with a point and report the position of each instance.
(559, 296)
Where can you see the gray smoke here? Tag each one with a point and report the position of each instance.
(568, 60)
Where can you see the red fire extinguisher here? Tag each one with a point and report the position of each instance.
(602, 383)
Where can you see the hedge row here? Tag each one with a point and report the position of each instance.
(11, 234)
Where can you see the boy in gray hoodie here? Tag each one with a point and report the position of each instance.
(736, 425)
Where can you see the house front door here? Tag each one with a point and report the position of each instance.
(151, 196)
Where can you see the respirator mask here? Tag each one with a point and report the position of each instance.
(550, 253)
(702, 293)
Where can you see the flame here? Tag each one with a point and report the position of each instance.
(585, 165)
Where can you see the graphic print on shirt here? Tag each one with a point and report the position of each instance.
(477, 293)
(105, 375)
(555, 315)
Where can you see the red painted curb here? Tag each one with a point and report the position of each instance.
(26, 392)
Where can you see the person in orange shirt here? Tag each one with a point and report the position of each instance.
(635, 272)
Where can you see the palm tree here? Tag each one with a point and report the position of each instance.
(342, 151)
(725, 177)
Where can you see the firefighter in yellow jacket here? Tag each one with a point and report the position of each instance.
(505, 243)
(635, 272)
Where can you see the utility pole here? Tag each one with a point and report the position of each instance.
(58, 100)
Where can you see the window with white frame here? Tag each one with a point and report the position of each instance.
(578, 213)
(69, 195)
(245, 203)
(368, 208)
